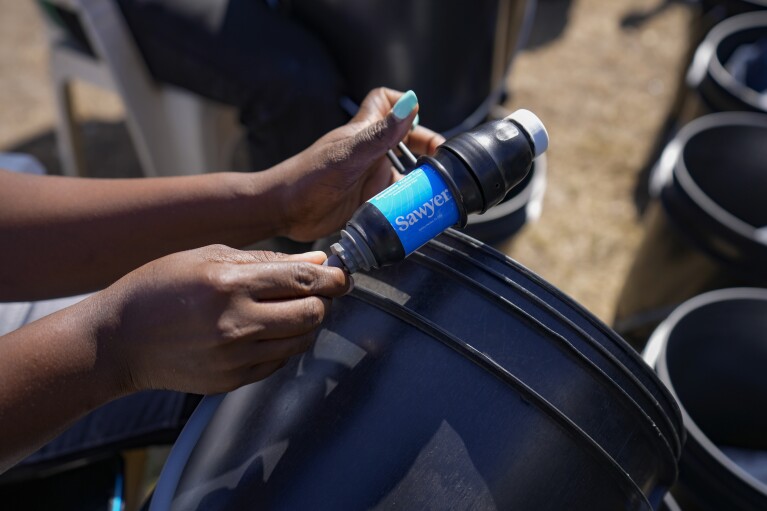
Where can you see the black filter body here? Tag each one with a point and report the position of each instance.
(521, 206)
(492, 159)
(456, 379)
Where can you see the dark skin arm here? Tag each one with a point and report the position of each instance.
(68, 236)
(205, 320)
(63, 236)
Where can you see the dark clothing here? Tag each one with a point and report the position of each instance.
(246, 54)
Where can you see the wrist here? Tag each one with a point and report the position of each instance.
(52, 372)
(282, 193)
(266, 197)
(100, 317)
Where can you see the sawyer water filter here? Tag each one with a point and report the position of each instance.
(469, 173)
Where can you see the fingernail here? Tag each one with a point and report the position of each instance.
(313, 255)
(316, 254)
(415, 121)
(404, 105)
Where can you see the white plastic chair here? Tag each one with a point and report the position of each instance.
(174, 131)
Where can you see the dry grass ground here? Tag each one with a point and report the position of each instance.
(602, 91)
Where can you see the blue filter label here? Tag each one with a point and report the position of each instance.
(418, 207)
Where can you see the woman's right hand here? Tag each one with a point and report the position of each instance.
(213, 319)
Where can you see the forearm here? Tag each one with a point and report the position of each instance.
(203, 321)
(52, 372)
(63, 236)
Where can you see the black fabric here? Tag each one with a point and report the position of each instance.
(142, 419)
(243, 53)
(70, 24)
(88, 487)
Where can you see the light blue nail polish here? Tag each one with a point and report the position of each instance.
(416, 121)
(404, 105)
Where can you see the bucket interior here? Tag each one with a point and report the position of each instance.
(737, 39)
(729, 164)
(735, 6)
(716, 357)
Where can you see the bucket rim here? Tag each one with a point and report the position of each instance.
(681, 173)
(661, 433)
(654, 354)
(655, 395)
(706, 59)
(485, 362)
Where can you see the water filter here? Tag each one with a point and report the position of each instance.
(469, 173)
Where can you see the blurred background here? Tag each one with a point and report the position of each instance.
(598, 73)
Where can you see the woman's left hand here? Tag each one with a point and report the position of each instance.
(323, 185)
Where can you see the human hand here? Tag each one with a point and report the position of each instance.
(213, 319)
(327, 182)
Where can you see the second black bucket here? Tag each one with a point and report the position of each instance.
(712, 354)
(709, 229)
(456, 55)
(453, 380)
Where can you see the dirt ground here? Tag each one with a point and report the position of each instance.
(602, 90)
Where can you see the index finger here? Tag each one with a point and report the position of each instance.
(286, 279)
(424, 141)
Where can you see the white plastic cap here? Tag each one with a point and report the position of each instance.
(534, 128)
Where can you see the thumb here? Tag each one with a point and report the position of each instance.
(377, 138)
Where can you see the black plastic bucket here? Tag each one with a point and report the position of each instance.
(707, 231)
(709, 85)
(726, 8)
(522, 205)
(456, 379)
(712, 354)
(456, 57)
